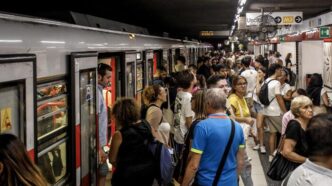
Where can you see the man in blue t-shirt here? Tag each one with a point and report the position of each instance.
(210, 140)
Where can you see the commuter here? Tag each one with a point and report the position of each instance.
(180, 64)
(156, 96)
(129, 154)
(16, 168)
(288, 115)
(274, 111)
(104, 75)
(251, 76)
(183, 115)
(160, 76)
(318, 94)
(258, 108)
(200, 83)
(210, 139)
(217, 81)
(197, 104)
(204, 69)
(317, 169)
(285, 88)
(193, 69)
(288, 61)
(295, 146)
(242, 115)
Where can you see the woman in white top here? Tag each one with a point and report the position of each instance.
(318, 94)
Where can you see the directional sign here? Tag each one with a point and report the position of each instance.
(281, 18)
(277, 19)
(324, 32)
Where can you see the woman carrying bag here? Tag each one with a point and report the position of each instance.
(292, 150)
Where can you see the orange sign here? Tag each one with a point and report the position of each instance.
(288, 19)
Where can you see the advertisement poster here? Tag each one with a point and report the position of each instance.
(6, 119)
(139, 76)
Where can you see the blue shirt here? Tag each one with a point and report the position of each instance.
(210, 140)
(102, 118)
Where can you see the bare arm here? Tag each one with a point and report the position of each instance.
(248, 120)
(325, 99)
(191, 168)
(288, 95)
(288, 152)
(240, 159)
(281, 103)
(153, 117)
(115, 144)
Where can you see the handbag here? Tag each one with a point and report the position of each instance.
(280, 166)
(168, 114)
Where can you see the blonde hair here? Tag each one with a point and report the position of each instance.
(297, 103)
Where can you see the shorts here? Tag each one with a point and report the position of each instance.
(103, 169)
(274, 123)
(258, 108)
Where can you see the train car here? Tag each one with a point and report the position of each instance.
(48, 79)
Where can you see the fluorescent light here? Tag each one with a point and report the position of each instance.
(10, 41)
(239, 10)
(53, 42)
(242, 2)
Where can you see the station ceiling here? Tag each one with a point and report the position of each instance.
(179, 18)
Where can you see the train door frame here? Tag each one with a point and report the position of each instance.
(26, 76)
(130, 59)
(148, 54)
(139, 77)
(77, 66)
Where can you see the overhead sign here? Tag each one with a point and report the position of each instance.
(280, 18)
(324, 32)
(214, 33)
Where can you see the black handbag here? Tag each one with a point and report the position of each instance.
(280, 166)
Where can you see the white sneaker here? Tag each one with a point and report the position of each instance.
(256, 147)
(270, 158)
(262, 149)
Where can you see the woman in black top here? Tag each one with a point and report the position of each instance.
(295, 147)
(129, 154)
(288, 60)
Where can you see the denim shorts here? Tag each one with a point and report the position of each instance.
(103, 169)
(258, 107)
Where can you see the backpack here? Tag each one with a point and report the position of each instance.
(163, 159)
(263, 95)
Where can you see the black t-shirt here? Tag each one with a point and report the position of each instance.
(295, 132)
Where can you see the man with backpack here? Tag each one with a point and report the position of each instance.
(274, 106)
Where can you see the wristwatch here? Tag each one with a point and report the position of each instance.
(106, 149)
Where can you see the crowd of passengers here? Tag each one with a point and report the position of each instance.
(204, 112)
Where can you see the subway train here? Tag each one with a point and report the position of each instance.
(48, 78)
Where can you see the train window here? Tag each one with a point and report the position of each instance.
(51, 108)
(53, 161)
(11, 109)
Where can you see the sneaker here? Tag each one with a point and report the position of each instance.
(262, 149)
(270, 158)
(256, 147)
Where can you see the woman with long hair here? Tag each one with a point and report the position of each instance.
(156, 95)
(318, 94)
(129, 153)
(16, 168)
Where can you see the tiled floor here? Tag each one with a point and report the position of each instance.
(257, 173)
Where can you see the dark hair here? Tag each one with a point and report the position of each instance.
(263, 69)
(184, 79)
(199, 104)
(102, 68)
(235, 81)
(277, 54)
(288, 56)
(273, 68)
(301, 91)
(182, 59)
(218, 67)
(18, 167)
(200, 60)
(126, 111)
(246, 61)
(192, 66)
(201, 80)
(260, 59)
(151, 93)
(212, 80)
(316, 80)
(318, 135)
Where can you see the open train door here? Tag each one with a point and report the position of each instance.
(17, 93)
(83, 68)
(148, 67)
